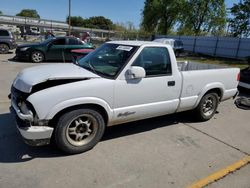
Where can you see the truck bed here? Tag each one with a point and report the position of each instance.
(190, 66)
(197, 78)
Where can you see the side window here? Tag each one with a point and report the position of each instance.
(4, 33)
(155, 61)
(59, 42)
(74, 41)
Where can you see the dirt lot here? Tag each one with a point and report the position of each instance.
(169, 151)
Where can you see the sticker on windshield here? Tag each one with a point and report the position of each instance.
(124, 48)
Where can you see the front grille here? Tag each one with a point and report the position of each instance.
(19, 95)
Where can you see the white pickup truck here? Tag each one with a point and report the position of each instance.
(121, 81)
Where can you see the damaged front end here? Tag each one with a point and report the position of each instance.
(34, 131)
(32, 80)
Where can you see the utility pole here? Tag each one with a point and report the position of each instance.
(69, 17)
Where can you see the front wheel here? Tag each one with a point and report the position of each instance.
(207, 107)
(79, 130)
(37, 57)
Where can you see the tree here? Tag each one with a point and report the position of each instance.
(77, 21)
(160, 15)
(203, 16)
(1, 13)
(99, 22)
(239, 23)
(28, 13)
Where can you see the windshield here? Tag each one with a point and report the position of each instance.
(108, 59)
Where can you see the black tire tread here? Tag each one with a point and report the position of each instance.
(198, 112)
(60, 137)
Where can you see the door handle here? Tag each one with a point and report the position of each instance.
(171, 83)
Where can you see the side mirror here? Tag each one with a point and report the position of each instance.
(136, 72)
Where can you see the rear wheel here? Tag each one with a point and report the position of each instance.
(79, 130)
(4, 48)
(37, 57)
(207, 106)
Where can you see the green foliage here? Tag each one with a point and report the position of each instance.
(159, 16)
(239, 24)
(28, 13)
(202, 17)
(77, 21)
(97, 22)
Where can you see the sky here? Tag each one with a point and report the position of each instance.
(116, 10)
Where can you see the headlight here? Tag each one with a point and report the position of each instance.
(24, 49)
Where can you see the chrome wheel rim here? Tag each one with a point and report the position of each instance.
(81, 130)
(3, 48)
(37, 57)
(208, 106)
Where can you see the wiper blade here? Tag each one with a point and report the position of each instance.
(92, 68)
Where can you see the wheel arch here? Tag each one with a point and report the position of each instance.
(92, 106)
(5, 43)
(217, 88)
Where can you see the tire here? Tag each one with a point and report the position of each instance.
(207, 107)
(79, 130)
(37, 57)
(4, 48)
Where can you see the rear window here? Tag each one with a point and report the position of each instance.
(4, 33)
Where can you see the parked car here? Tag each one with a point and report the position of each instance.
(121, 81)
(245, 78)
(7, 41)
(53, 49)
(177, 45)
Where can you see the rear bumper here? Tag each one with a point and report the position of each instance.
(13, 46)
(244, 85)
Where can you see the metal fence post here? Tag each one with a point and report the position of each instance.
(216, 45)
(194, 44)
(238, 48)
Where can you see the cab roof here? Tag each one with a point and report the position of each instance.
(135, 43)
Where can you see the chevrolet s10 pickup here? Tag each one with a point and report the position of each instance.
(121, 81)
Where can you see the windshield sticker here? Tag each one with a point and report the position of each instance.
(124, 48)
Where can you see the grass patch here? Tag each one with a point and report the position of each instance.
(215, 60)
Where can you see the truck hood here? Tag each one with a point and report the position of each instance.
(59, 72)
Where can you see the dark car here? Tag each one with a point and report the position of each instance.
(245, 79)
(53, 49)
(7, 41)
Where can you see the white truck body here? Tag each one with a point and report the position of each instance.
(123, 99)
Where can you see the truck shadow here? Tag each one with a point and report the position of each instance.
(14, 150)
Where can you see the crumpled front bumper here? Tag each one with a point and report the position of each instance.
(32, 134)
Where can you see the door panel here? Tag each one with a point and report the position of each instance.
(148, 97)
(55, 50)
(155, 95)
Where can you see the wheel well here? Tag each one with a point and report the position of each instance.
(217, 91)
(96, 107)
